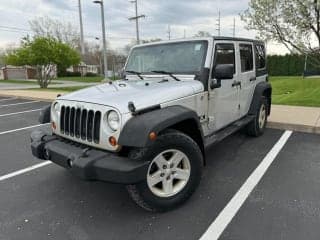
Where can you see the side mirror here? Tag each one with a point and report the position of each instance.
(215, 83)
(223, 71)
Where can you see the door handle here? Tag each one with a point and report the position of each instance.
(253, 79)
(236, 83)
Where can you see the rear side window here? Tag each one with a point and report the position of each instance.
(260, 57)
(246, 56)
(225, 54)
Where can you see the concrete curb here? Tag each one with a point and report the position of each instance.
(28, 98)
(39, 96)
(294, 127)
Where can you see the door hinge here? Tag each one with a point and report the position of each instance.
(211, 119)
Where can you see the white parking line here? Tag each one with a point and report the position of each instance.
(14, 104)
(25, 170)
(16, 113)
(227, 214)
(8, 99)
(25, 128)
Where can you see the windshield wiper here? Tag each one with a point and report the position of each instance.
(136, 73)
(168, 73)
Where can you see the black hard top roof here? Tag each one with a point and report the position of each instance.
(237, 39)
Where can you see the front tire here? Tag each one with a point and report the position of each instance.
(257, 127)
(174, 172)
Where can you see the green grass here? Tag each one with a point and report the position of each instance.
(62, 89)
(296, 91)
(82, 79)
(25, 82)
(18, 81)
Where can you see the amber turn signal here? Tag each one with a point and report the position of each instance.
(113, 141)
(53, 125)
(152, 136)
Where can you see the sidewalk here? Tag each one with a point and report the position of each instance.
(55, 84)
(32, 94)
(301, 119)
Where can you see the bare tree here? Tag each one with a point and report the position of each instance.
(62, 31)
(203, 34)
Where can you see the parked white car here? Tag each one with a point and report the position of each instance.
(149, 131)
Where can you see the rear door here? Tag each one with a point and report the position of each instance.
(247, 76)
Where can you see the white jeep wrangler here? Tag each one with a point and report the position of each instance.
(149, 131)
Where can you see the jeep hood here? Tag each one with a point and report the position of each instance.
(142, 93)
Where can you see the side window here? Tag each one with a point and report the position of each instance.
(246, 57)
(260, 56)
(225, 54)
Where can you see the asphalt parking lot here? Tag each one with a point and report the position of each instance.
(48, 203)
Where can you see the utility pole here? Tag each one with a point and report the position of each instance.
(136, 18)
(169, 32)
(234, 27)
(104, 41)
(218, 24)
(81, 29)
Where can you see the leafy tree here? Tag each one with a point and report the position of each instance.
(1, 58)
(294, 23)
(46, 54)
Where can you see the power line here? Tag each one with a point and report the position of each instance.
(15, 28)
(24, 30)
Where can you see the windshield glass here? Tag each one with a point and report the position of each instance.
(178, 58)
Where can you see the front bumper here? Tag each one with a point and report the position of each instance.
(85, 162)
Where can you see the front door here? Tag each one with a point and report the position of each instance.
(224, 101)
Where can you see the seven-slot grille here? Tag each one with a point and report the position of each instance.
(80, 123)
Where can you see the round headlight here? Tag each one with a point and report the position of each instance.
(113, 120)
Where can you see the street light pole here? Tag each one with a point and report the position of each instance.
(105, 60)
(81, 28)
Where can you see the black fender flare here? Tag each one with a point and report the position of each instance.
(45, 115)
(262, 89)
(136, 131)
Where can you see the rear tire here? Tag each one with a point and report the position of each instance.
(174, 172)
(257, 127)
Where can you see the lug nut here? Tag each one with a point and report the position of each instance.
(164, 167)
(162, 175)
(168, 178)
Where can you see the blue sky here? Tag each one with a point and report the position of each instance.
(189, 15)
